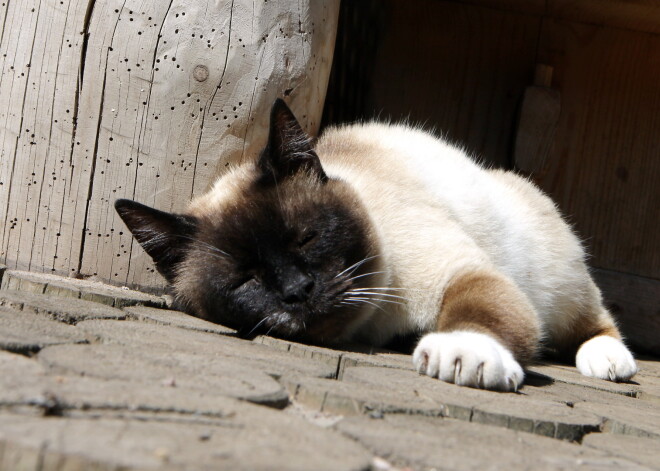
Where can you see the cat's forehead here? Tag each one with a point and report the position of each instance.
(240, 192)
(244, 214)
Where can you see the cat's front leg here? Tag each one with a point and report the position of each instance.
(486, 329)
(468, 359)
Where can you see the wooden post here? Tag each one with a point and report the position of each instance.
(537, 123)
(149, 100)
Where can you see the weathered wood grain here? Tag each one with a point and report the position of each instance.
(527, 6)
(458, 68)
(604, 168)
(145, 99)
(45, 67)
(15, 55)
(638, 15)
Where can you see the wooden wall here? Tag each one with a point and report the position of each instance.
(141, 99)
(464, 67)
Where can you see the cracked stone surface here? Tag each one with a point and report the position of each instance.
(164, 339)
(388, 390)
(247, 438)
(426, 442)
(67, 310)
(175, 318)
(215, 375)
(28, 332)
(96, 377)
(639, 450)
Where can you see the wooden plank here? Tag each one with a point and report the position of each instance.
(42, 163)
(16, 50)
(604, 168)
(522, 6)
(635, 302)
(4, 9)
(95, 45)
(638, 15)
(59, 167)
(460, 68)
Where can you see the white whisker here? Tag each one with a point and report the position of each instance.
(347, 303)
(362, 293)
(355, 266)
(277, 322)
(385, 289)
(372, 304)
(389, 301)
(152, 238)
(258, 324)
(365, 274)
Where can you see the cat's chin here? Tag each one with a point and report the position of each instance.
(284, 324)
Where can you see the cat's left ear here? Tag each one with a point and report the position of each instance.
(164, 236)
(289, 149)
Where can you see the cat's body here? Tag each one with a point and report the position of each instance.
(438, 214)
(423, 240)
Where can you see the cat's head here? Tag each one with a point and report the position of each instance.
(275, 247)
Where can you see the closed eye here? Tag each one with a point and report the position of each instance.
(244, 282)
(307, 238)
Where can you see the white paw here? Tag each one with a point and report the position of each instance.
(468, 359)
(605, 357)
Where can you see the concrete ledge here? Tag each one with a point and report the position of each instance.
(42, 283)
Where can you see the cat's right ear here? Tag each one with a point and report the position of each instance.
(164, 236)
(289, 149)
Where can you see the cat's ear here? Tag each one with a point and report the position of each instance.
(289, 149)
(164, 236)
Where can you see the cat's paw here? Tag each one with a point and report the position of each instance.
(468, 359)
(605, 357)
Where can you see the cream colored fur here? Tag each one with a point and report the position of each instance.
(439, 215)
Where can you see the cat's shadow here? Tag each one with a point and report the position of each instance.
(537, 380)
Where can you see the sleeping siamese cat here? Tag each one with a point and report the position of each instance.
(380, 230)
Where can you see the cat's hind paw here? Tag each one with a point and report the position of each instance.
(468, 359)
(605, 357)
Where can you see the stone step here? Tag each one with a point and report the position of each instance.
(42, 283)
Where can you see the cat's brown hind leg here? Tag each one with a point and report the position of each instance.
(486, 329)
(601, 352)
(588, 333)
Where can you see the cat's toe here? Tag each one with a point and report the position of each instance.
(468, 359)
(605, 357)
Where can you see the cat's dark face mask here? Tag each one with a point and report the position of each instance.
(288, 257)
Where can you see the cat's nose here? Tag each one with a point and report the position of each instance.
(297, 287)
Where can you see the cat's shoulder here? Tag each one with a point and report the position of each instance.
(370, 133)
(397, 147)
(523, 187)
